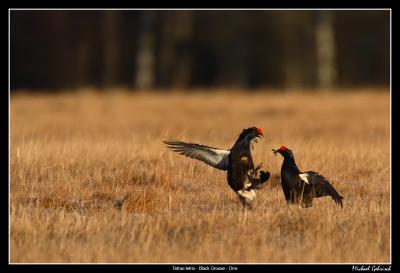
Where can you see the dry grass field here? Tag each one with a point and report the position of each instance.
(91, 180)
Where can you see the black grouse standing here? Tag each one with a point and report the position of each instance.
(303, 187)
(238, 162)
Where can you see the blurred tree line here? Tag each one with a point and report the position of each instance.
(57, 49)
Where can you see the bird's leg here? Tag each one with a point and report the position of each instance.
(243, 202)
(244, 205)
(301, 196)
(244, 215)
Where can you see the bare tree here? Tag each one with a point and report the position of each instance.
(145, 64)
(293, 73)
(111, 47)
(325, 45)
(183, 30)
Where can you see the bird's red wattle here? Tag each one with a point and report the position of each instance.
(282, 148)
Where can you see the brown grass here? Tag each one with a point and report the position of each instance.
(92, 182)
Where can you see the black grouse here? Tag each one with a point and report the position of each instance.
(303, 187)
(238, 162)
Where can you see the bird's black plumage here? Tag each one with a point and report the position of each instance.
(237, 161)
(302, 187)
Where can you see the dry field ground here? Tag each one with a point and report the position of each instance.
(91, 180)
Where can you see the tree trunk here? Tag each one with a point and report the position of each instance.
(111, 50)
(145, 72)
(325, 44)
(293, 33)
(183, 47)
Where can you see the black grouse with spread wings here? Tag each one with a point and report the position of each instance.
(238, 162)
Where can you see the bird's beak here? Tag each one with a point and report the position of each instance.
(275, 151)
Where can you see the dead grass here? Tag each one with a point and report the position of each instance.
(92, 182)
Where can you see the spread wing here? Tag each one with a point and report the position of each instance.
(322, 186)
(214, 157)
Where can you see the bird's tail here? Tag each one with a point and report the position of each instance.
(334, 194)
(337, 198)
(256, 183)
(264, 176)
